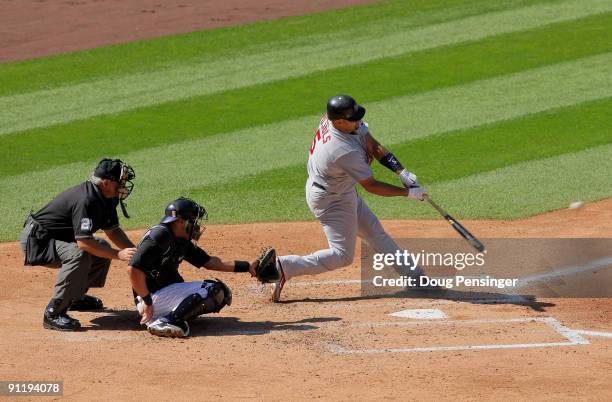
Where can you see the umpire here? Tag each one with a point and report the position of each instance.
(61, 235)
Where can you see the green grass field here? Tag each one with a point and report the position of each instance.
(502, 108)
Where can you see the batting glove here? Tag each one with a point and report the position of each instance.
(417, 193)
(408, 179)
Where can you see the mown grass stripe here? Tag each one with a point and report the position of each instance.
(166, 171)
(528, 188)
(512, 192)
(230, 111)
(436, 159)
(393, 121)
(495, 99)
(372, 20)
(114, 95)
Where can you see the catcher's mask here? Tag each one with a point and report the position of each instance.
(192, 212)
(122, 173)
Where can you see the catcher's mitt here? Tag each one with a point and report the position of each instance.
(266, 271)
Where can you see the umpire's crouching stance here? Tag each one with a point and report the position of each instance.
(61, 235)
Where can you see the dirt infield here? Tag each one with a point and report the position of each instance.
(35, 28)
(324, 341)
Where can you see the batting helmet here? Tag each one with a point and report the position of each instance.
(344, 107)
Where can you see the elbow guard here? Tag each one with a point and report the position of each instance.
(390, 162)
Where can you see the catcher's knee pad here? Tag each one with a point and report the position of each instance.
(219, 295)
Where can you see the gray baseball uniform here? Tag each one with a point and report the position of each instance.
(337, 162)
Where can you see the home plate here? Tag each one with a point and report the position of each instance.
(422, 313)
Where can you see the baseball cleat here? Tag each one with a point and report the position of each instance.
(60, 322)
(179, 329)
(87, 303)
(277, 287)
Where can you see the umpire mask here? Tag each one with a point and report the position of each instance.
(125, 181)
(122, 173)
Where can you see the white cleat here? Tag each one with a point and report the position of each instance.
(161, 328)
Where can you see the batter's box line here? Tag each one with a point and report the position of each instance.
(573, 338)
(510, 298)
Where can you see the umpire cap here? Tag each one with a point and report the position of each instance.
(344, 107)
(113, 169)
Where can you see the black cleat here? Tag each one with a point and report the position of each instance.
(87, 303)
(57, 319)
(60, 322)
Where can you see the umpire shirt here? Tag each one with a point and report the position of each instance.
(78, 213)
(159, 255)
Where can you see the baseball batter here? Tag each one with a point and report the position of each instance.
(340, 157)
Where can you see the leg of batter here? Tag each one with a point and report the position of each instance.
(372, 232)
(338, 215)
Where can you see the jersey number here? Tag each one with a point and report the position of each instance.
(322, 132)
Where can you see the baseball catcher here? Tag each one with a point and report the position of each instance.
(165, 301)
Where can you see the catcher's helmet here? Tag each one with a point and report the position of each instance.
(344, 107)
(189, 210)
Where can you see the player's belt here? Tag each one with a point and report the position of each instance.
(317, 185)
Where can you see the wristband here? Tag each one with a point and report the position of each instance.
(241, 266)
(390, 162)
(147, 299)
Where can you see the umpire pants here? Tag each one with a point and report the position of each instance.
(78, 270)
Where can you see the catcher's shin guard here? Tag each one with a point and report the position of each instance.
(194, 305)
(188, 309)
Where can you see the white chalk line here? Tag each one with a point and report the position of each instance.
(362, 281)
(446, 322)
(505, 299)
(522, 282)
(573, 337)
(565, 331)
(593, 333)
(572, 270)
(340, 350)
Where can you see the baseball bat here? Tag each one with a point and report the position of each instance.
(457, 226)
